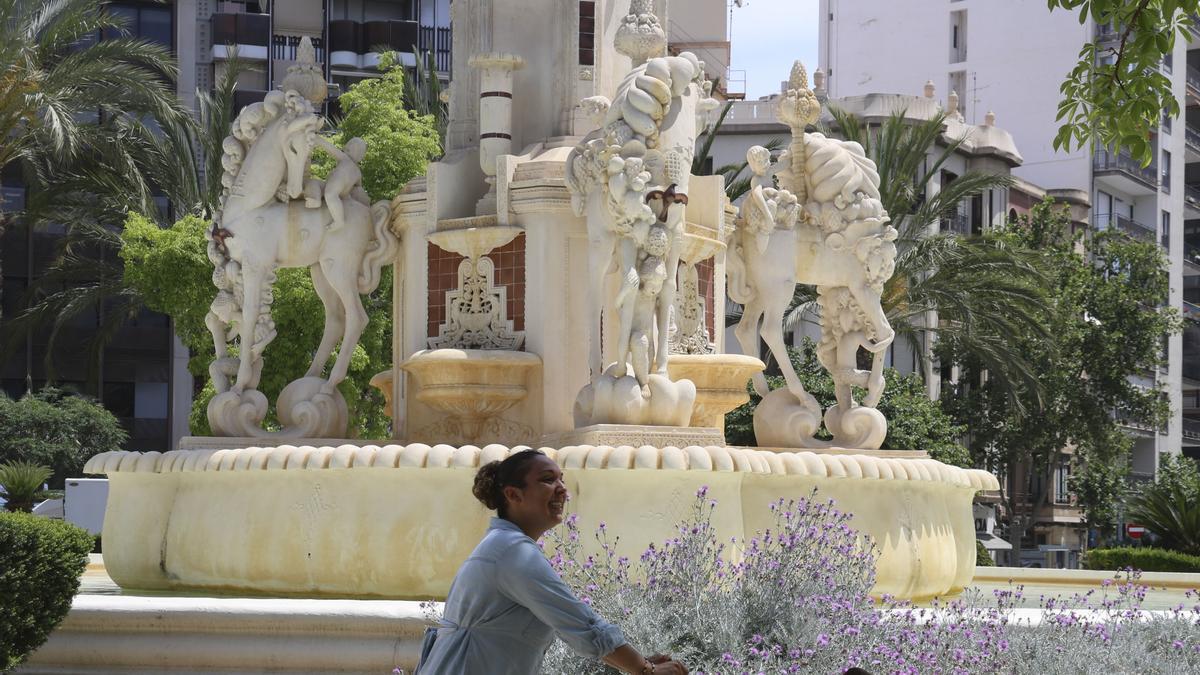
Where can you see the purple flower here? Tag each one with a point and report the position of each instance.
(822, 640)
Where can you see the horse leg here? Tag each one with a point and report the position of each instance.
(747, 334)
(600, 251)
(334, 321)
(772, 334)
(343, 279)
(252, 282)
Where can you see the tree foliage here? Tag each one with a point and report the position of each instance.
(41, 563)
(914, 421)
(57, 430)
(1170, 507)
(1117, 93)
(1107, 293)
(400, 142)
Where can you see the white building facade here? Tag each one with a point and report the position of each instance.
(1010, 58)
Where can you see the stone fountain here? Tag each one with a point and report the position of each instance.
(561, 283)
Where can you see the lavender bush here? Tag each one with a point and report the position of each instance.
(797, 601)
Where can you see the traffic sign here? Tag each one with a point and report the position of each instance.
(1134, 531)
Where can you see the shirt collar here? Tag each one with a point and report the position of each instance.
(502, 524)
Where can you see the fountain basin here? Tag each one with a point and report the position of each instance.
(471, 387)
(720, 383)
(397, 521)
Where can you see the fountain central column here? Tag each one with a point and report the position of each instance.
(495, 117)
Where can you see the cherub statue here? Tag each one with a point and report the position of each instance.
(345, 180)
(641, 310)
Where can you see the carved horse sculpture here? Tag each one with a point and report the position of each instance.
(262, 225)
(827, 227)
(640, 159)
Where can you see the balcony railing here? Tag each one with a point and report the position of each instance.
(1192, 135)
(958, 223)
(1191, 312)
(250, 33)
(437, 40)
(1191, 429)
(283, 47)
(1105, 160)
(1193, 78)
(1125, 224)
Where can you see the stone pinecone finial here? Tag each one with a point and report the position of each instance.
(640, 36)
(799, 107)
(305, 76)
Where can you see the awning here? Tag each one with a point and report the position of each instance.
(993, 543)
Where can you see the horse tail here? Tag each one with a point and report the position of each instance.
(381, 250)
(739, 288)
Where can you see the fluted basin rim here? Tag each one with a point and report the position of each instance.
(490, 356)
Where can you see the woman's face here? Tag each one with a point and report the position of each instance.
(540, 504)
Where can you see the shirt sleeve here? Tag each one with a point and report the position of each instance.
(524, 576)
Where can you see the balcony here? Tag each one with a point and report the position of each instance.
(1127, 225)
(1192, 137)
(358, 45)
(283, 47)
(1191, 312)
(1191, 429)
(1193, 85)
(248, 34)
(1124, 173)
(1191, 199)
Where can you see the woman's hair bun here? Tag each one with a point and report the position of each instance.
(487, 487)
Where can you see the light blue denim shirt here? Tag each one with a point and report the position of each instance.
(505, 607)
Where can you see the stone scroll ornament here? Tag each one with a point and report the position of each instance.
(273, 214)
(630, 180)
(822, 224)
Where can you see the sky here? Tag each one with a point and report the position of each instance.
(767, 36)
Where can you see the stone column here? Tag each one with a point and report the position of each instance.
(495, 116)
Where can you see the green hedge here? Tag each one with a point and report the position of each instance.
(41, 561)
(982, 557)
(1142, 558)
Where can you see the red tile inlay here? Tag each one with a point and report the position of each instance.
(510, 273)
(704, 275)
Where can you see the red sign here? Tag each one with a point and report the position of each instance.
(1135, 531)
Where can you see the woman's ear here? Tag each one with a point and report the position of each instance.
(513, 494)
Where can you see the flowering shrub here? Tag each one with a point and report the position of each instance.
(795, 599)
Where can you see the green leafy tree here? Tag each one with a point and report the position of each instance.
(914, 421)
(1116, 93)
(57, 430)
(1106, 306)
(1170, 507)
(400, 142)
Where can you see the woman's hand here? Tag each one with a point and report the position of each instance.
(669, 668)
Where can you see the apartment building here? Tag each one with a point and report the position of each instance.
(1010, 58)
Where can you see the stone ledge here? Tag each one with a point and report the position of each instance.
(618, 435)
(121, 634)
(419, 455)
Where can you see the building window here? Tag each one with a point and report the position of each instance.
(1166, 123)
(147, 22)
(958, 36)
(1165, 235)
(1168, 63)
(587, 33)
(1166, 171)
(1062, 475)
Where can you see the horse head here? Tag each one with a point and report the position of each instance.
(266, 157)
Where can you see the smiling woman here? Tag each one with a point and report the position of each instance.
(507, 604)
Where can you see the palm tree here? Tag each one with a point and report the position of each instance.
(974, 290)
(736, 184)
(55, 76)
(98, 132)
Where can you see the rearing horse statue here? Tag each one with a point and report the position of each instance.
(826, 226)
(262, 224)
